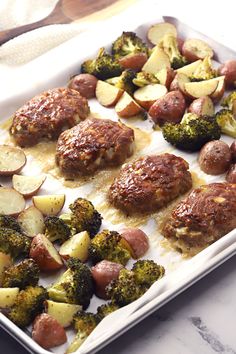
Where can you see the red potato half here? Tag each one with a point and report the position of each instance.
(11, 202)
(220, 90)
(31, 221)
(85, 84)
(228, 69)
(165, 76)
(126, 107)
(103, 273)
(49, 205)
(48, 332)
(194, 49)
(157, 61)
(45, 254)
(106, 94)
(148, 94)
(27, 185)
(138, 241)
(77, 246)
(202, 106)
(133, 61)
(12, 160)
(158, 31)
(201, 88)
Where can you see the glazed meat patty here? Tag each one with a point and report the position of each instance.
(92, 145)
(46, 115)
(208, 213)
(149, 183)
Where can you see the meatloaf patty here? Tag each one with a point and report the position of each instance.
(92, 145)
(149, 183)
(46, 115)
(208, 213)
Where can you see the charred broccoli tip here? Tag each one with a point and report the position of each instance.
(56, 229)
(146, 272)
(21, 275)
(14, 243)
(227, 122)
(105, 310)
(124, 81)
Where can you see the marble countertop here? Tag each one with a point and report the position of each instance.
(200, 320)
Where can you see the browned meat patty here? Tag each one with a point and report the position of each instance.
(92, 145)
(208, 213)
(149, 183)
(46, 115)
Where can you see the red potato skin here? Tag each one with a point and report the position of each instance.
(138, 241)
(231, 174)
(189, 54)
(103, 273)
(180, 42)
(233, 151)
(85, 84)
(170, 77)
(228, 69)
(41, 256)
(48, 332)
(169, 108)
(133, 61)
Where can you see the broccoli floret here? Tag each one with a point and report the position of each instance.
(124, 81)
(56, 229)
(75, 286)
(227, 122)
(13, 242)
(83, 217)
(9, 222)
(146, 272)
(21, 275)
(28, 304)
(192, 132)
(128, 43)
(103, 66)
(125, 289)
(109, 245)
(84, 324)
(105, 310)
(143, 78)
(204, 71)
(170, 46)
(228, 100)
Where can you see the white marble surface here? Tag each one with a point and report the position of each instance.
(201, 320)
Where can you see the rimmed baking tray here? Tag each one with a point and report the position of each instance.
(52, 70)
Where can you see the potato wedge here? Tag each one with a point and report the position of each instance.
(147, 95)
(12, 160)
(49, 205)
(158, 31)
(194, 49)
(31, 221)
(77, 246)
(202, 106)
(62, 312)
(8, 296)
(106, 94)
(27, 185)
(126, 107)
(5, 262)
(157, 61)
(165, 76)
(133, 61)
(201, 88)
(45, 254)
(190, 68)
(178, 83)
(220, 90)
(11, 202)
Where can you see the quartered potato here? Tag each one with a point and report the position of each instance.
(8, 296)
(126, 107)
(62, 312)
(157, 61)
(194, 49)
(106, 94)
(11, 202)
(202, 106)
(31, 221)
(27, 185)
(158, 31)
(49, 205)
(148, 94)
(77, 246)
(12, 160)
(200, 89)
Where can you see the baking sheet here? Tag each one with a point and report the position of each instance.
(50, 71)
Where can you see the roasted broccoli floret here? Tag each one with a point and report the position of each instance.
(103, 66)
(146, 272)
(28, 304)
(56, 229)
(83, 217)
(128, 43)
(13, 242)
(170, 46)
(124, 81)
(125, 289)
(228, 100)
(75, 286)
(144, 78)
(84, 324)
(192, 132)
(21, 275)
(109, 245)
(204, 71)
(9, 222)
(227, 122)
(105, 310)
